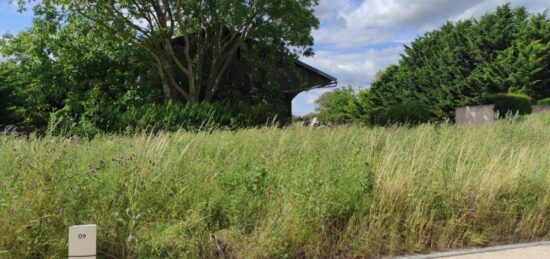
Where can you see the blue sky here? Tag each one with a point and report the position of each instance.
(12, 21)
(357, 38)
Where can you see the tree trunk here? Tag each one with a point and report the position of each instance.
(169, 93)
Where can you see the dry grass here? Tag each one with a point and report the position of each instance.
(263, 193)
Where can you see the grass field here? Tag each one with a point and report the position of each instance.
(272, 193)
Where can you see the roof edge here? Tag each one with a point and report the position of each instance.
(316, 71)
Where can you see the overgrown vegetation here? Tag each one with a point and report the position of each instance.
(270, 192)
(161, 117)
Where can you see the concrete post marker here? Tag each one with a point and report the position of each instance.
(82, 242)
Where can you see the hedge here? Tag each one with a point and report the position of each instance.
(506, 104)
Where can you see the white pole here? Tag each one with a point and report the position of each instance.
(82, 242)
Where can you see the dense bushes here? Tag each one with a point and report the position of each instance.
(545, 101)
(458, 64)
(166, 117)
(506, 104)
(9, 113)
(408, 113)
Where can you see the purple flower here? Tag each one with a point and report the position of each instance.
(93, 170)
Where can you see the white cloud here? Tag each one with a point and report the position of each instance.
(407, 13)
(350, 38)
(312, 97)
(358, 67)
(483, 7)
(329, 9)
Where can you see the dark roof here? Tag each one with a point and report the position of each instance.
(316, 71)
(330, 80)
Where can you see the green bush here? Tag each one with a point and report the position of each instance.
(545, 101)
(506, 104)
(160, 117)
(412, 113)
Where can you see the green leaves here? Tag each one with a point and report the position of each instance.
(65, 63)
(212, 32)
(461, 63)
(334, 106)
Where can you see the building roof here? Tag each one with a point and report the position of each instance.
(327, 80)
(316, 71)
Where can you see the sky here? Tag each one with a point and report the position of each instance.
(357, 38)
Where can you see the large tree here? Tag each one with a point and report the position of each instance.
(64, 63)
(8, 96)
(212, 32)
(464, 62)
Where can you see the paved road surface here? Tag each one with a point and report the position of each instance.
(538, 250)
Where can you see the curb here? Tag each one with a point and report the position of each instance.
(475, 251)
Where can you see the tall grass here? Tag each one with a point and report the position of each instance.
(263, 193)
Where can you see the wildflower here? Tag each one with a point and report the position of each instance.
(93, 170)
(12, 210)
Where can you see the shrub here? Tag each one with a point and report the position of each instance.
(160, 117)
(506, 104)
(412, 113)
(62, 122)
(545, 101)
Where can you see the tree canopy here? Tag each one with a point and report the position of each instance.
(463, 63)
(64, 63)
(212, 32)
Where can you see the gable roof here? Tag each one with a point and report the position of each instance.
(329, 81)
(316, 71)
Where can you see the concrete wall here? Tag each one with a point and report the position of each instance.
(541, 108)
(475, 115)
